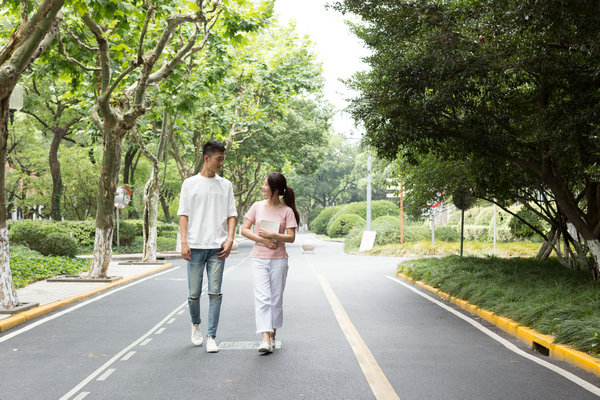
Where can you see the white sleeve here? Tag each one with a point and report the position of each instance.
(232, 210)
(183, 200)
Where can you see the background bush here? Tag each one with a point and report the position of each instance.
(45, 237)
(319, 224)
(521, 230)
(127, 233)
(343, 224)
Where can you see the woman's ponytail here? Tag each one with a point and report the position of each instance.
(289, 198)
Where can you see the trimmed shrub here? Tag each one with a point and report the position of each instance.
(343, 224)
(314, 213)
(45, 237)
(127, 233)
(378, 208)
(58, 244)
(319, 224)
(83, 232)
(486, 214)
(27, 233)
(447, 234)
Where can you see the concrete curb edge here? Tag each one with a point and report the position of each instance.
(525, 334)
(33, 313)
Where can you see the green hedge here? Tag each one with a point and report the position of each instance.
(319, 224)
(343, 224)
(45, 237)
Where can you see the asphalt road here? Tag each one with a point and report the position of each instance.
(351, 331)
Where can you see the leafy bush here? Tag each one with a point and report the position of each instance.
(45, 237)
(127, 233)
(378, 208)
(522, 230)
(314, 213)
(319, 224)
(83, 232)
(343, 224)
(485, 215)
(447, 234)
(58, 244)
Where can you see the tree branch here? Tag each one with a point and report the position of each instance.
(63, 51)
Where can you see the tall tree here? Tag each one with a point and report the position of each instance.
(513, 80)
(137, 44)
(30, 38)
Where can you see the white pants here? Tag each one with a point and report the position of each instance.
(269, 277)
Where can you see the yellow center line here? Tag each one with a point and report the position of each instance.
(380, 385)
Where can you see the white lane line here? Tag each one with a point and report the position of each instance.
(145, 342)
(106, 374)
(171, 321)
(85, 303)
(380, 385)
(180, 312)
(566, 374)
(120, 354)
(128, 356)
(161, 330)
(81, 396)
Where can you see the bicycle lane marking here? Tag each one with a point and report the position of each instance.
(566, 374)
(378, 382)
(141, 339)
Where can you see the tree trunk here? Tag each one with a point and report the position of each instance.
(57, 184)
(151, 195)
(165, 207)
(594, 246)
(105, 210)
(8, 294)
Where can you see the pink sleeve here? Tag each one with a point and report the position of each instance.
(290, 219)
(251, 214)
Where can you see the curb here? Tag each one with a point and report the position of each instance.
(22, 317)
(539, 342)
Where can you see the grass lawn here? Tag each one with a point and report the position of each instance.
(424, 248)
(543, 295)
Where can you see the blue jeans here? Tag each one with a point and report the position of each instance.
(214, 272)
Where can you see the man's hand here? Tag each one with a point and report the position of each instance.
(186, 253)
(226, 249)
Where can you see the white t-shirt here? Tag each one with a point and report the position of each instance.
(207, 202)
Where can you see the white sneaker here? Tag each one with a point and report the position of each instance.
(211, 345)
(197, 338)
(273, 343)
(265, 347)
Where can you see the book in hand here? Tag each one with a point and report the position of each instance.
(268, 225)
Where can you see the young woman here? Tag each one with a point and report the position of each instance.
(275, 220)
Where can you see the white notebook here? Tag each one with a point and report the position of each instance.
(268, 225)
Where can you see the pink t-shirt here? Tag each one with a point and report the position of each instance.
(284, 215)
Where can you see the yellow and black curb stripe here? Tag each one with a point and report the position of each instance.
(540, 342)
(28, 315)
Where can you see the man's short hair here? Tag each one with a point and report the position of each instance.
(211, 147)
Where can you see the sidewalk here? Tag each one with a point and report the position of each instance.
(54, 295)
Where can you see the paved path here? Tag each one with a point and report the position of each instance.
(352, 331)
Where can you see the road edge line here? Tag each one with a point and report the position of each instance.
(25, 316)
(528, 335)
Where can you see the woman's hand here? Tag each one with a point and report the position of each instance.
(269, 243)
(266, 234)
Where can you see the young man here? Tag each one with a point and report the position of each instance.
(207, 216)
